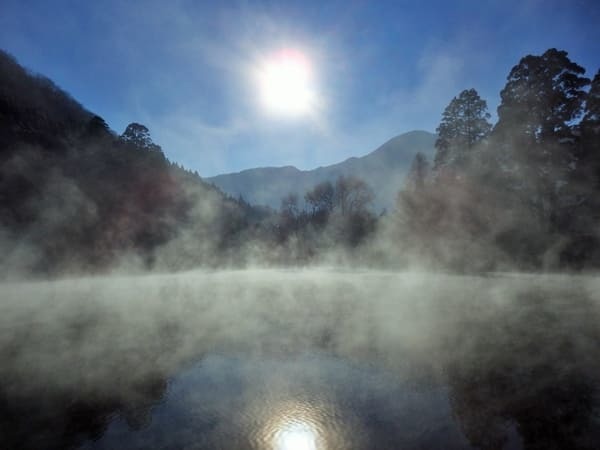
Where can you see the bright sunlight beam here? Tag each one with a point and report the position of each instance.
(286, 84)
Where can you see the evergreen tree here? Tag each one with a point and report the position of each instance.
(592, 105)
(587, 175)
(464, 123)
(138, 135)
(418, 173)
(543, 96)
(97, 129)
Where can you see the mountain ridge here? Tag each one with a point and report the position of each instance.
(389, 162)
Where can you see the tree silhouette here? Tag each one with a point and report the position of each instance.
(590, 133)
(591, 118)
(321, 198)
(352, 195)
(418, 173)
(97, 128)
(542, 97)
(139, 136)
(464, 123)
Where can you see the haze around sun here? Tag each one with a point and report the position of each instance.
(286, 84)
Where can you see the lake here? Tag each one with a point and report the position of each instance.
(301, 359)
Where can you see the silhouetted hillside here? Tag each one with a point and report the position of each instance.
(76, 196)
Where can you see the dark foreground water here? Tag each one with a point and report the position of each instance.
(301, 360)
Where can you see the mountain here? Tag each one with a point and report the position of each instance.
(384, 169)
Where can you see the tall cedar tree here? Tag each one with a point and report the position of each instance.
(543, 96)
(464, 123)
(587, 175)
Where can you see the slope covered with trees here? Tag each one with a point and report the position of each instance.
(75, 196)
(521, 192)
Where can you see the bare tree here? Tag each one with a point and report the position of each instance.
(352, 195)
(321, 198)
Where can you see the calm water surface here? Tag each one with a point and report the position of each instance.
(301, 360)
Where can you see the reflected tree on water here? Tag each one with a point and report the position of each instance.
(530, 373)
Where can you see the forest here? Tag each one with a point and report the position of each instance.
(521, 193)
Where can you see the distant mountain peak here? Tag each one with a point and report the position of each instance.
(383, 169)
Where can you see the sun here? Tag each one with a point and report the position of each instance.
(286, 84)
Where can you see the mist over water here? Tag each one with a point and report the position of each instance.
(301, 358)
(144, 306)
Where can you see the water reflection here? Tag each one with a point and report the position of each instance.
(535, 371)
(300, 425)
(320, 365)
(311, 401)
(296, 435)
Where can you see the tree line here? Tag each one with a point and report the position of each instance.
(524, 191)
(333, 215)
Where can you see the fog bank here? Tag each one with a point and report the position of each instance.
(107, 344)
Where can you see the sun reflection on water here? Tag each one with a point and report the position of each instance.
(297, 425)
(296, 436)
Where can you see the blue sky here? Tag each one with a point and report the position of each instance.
(183, 68)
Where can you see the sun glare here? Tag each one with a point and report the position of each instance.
(286, 84)
(298, 436)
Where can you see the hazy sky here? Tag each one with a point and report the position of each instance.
(184, 68)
